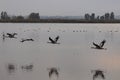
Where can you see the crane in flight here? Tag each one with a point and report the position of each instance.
(23, 40)
(11, 35)
(99, 46)
(8, 35)
(54, 41)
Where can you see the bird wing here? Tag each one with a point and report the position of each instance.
(97, 46)
(14, 34)
(102, 43)
(8, 34)
(51, 40)
(56, 39)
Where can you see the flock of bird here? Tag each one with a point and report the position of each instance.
(11, 67)
(53, 70)
(53, 41)
(13, 35)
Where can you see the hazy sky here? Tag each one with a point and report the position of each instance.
(60, 7)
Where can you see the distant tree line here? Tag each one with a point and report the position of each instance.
(105, 17)
(35, 17)
(31, 17)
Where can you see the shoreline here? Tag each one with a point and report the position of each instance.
(59, 21)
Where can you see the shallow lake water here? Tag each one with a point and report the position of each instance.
(73, 56)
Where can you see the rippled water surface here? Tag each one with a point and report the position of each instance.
(73, 56)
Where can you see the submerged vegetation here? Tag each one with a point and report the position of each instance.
(36, 18)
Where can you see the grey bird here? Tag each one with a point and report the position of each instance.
(23, 40)
(99, 46)
(54, 41)
(11, 35)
